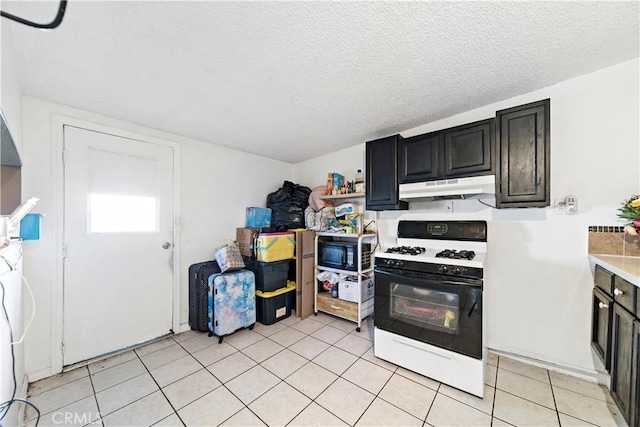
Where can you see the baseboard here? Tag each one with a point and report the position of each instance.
(21, 393)
(589, 375)
(40, 374)
(183, 328)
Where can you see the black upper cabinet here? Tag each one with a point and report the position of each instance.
(460, 151)
(467, 149)
(382, 174)
(523, 146)
(418, 158)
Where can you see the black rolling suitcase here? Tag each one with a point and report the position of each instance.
(199, 294)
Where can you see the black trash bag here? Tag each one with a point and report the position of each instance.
(287, 206)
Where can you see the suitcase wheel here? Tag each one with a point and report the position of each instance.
(220, 340)
(251, 326)
(210, 334)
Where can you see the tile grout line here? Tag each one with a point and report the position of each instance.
(495, 388)
(553, 395)
(95, 397)
(222, 384)
(161, 390)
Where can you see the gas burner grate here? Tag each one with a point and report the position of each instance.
(406, 250)
(455, 254)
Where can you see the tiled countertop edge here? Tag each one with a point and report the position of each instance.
(627, 267)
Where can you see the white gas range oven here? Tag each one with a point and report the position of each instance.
(428, 302)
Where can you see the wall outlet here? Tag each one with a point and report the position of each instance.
(558, 204)
(567, 205)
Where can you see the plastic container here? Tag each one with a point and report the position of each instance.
(258, 217)
(359, 182)
(275, 246)
(272, 307)
(270, 276)
(30, 226)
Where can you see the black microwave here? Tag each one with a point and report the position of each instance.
(343, 255)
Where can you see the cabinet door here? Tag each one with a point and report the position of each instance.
(382, 175)
(467, 150)
(602, 311)
(635, 377)
(522, 143)
(418, 158)
(621, 360)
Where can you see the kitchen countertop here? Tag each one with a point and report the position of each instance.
(627, 267)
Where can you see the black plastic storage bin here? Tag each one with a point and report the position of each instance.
(272, 307)
(269, 275)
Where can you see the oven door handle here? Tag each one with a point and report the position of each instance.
(451, 282)
(436, 280)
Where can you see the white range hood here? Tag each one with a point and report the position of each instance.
(455, 188)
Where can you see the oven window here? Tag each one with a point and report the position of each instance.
(425, 308)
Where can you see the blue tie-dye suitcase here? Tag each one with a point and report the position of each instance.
(232, 302)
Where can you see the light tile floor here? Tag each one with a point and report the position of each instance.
(318, 372)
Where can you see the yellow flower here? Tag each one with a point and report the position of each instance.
(635, 203)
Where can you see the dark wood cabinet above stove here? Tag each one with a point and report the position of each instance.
(382, 175)
(515, 147)
(523, 147)
(465, 150)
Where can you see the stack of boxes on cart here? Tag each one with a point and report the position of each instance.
(268, 256)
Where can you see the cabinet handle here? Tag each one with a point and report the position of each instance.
(603, 305)
(617, 292)
(335, 307)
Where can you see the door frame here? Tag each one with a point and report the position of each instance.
(57, 203)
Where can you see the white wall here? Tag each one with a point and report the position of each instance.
(216, 184)
(10, 86)
(538, 280)
(10, 102)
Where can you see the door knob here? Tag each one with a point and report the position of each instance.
(617, 292)
(603, 305)
(166, 245)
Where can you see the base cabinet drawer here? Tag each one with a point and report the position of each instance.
(342, 308)
(603, 279)
(624, 293)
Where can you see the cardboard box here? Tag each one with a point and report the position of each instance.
(348, 290)
(244, 237)
(305, 273)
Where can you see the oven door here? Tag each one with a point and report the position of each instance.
(439, 310)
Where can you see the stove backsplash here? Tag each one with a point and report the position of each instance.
(612, 240)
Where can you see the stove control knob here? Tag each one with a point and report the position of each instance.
(443, 269)
(457, 270)
(399, 263)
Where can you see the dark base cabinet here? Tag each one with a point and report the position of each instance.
(601, 327)
(634, 420)
(621, 360)
(615, 338)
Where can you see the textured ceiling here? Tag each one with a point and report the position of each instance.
(294, 80)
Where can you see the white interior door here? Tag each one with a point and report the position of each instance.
(118, 236)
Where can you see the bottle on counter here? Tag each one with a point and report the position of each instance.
(359, 182)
